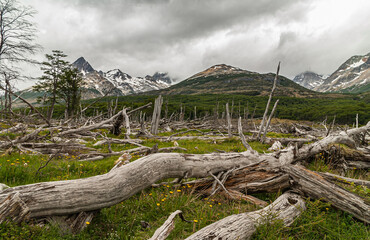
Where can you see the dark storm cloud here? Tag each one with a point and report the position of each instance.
(183, 37)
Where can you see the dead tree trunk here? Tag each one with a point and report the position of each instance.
(228, 118)
(242, 226)
(156, 115)
(268, 104)
(269, 120)
(127, 124)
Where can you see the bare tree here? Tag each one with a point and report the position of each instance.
(17, 35)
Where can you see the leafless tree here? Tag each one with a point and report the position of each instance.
(17, 36)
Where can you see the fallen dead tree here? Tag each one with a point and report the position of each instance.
(287, 207)
(238, 172)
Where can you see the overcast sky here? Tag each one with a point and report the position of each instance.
(183, 37)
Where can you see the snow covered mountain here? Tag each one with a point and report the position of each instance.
(309, 79)
(117, 83)
(352, 75)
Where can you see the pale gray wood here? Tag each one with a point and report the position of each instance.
(346, 180)
(316, 187)
(13, 208)
(268, 104)
(228, 118)
(287, 207)
(242, 137)
(269, 120)
(88, 194)
(167, 227)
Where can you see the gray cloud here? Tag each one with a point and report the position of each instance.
(183, 37)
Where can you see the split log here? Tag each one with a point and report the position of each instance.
(13, 208)
(287, 207)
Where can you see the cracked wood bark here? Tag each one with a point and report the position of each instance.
(315, 186)
(287, 207)
(88, 194)
(13, 208)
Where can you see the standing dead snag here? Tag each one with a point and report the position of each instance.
(228, 118)
(268, 104)
(156, 115)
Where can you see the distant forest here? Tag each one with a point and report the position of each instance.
(311, 109)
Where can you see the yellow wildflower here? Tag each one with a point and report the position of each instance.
(195, 220)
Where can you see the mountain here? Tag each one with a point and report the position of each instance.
(309, 79)
(353, 76)
(222, 78)
(117, 83)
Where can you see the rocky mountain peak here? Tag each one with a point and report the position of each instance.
(83, 66)
(219, 69)
(309, 79)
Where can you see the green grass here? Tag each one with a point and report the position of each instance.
(154, 205)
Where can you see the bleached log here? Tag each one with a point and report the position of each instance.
(89, 127)
(13, 208)
(17, 128)
(23, 139)
(118, 141)
(164, 231)
(287, 207)
(346, 180)
(88, 194)
(316, 187)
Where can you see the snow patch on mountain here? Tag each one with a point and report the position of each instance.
(116, 82)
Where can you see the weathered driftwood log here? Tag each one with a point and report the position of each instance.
(287, 207)
(23, 139)
(13, 208)
(346, 180)
(88, 194)
(118, 141)
(17, 128)
(315, 186)
(164, 231)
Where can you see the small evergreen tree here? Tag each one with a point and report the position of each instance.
(60, 81)
(49, 82)
(70, 90)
